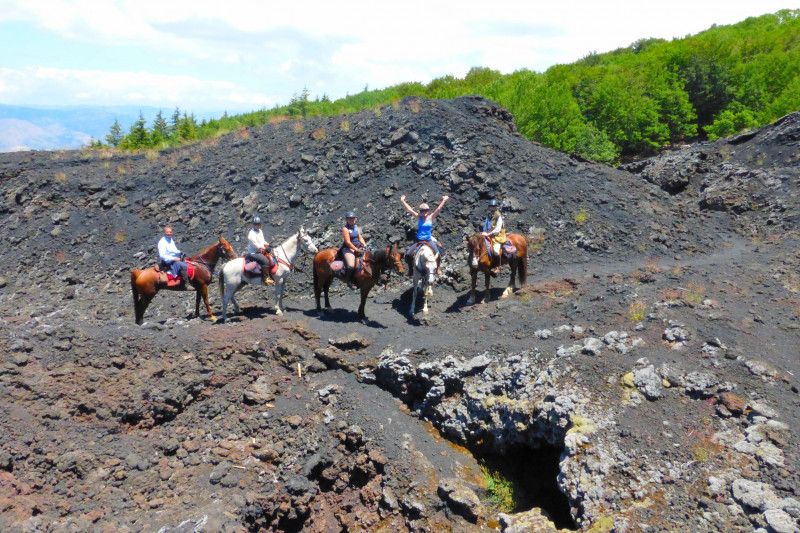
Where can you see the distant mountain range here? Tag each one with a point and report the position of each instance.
(70, 127)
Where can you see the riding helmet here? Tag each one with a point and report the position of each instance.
(350, 214)
(256, 220)
(424, 207)
(493, 202)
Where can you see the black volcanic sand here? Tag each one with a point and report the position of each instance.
(264, 424)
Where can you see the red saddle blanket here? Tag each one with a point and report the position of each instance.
(172, 281)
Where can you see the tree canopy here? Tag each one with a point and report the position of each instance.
(630, 101)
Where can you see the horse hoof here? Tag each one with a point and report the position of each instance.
(278, 312)
(424, 311)
(470, 301)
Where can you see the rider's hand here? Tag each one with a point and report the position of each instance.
(402, 197)
(445, 198)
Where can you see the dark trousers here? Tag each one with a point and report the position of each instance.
(258, 258)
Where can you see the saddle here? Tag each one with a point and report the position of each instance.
(507, 249)
(166, 279)
(252, 269)
(338, 266)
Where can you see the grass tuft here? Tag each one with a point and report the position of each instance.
(60, 177)
(298, 127)
(318, 134)
(581, 216)
(345, 125)
(502, 491)
(636, 311)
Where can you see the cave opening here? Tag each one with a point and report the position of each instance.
(526, 478)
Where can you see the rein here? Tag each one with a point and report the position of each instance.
(203, 262)
(290, 265)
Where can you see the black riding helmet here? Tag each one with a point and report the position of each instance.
(494, 203)
(350, 214)
(256, 220)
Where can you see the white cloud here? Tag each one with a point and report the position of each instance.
(112, 88)
(265, 51)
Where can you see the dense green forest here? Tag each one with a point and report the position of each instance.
(630, 101)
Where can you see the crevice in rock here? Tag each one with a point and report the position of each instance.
(533, 473)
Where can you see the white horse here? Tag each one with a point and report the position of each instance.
(424, 269)
(232, 277)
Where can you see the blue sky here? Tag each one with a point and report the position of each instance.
(242, 55)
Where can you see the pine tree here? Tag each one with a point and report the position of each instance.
(160, 129)
(138, 137)
(114, 136)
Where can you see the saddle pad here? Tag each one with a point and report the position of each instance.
(252, 268)
(337, 266)
(509, 248)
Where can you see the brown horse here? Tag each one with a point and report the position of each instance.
(480, 261)
(145, 283)
(375, 263)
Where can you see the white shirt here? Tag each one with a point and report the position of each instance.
(168, 250)
(256, 241)
(488, 224)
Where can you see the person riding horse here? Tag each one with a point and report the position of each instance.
(258, 248)
(424, 230)
(494, 228)
(171, 258)
(351, 234)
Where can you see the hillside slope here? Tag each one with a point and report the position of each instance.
(644, 380)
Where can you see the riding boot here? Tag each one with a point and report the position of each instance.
(495, 270)
(349, 274)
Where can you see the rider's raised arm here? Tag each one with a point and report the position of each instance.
(441, 204)
(408, 207)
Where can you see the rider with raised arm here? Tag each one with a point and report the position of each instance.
(353, 244)
(257, 248)
(170, 256)
(424, 229)
(494, 228)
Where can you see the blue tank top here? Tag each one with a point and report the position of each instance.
(353, 236)
(424, 228)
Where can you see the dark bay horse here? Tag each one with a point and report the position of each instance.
(145, 283)
(480, 261)
(375, 263)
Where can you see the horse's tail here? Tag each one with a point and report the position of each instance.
(135, 291)
(314, 275)
(523, 270)
(222, 284)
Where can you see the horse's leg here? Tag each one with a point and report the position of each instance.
(326, 287)
(474, 273)
(414, 294)
(144, 303)
(279, 296)
(486, 290)
(227, 294)
(204, 292)
(233, 296)
(425, 299)
(511, 280)
(364, 294)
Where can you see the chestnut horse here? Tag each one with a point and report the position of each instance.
(145, 285)
(481, 261)
(374, 264)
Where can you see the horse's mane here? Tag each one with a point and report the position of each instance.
(378, 256)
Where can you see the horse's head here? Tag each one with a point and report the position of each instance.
(225, 248)
(395, 258)
(305, 241)
(476, 246)
(426, 263)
